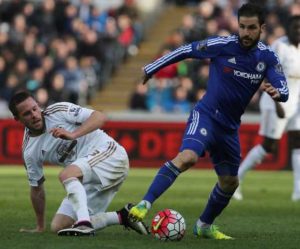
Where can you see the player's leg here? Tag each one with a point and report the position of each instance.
(71, 178)
(218, 200)
(271, 129)
(164, 178)
(226, 158)
(192, 147)
(294, 138)
(65, 216)
(108, 174)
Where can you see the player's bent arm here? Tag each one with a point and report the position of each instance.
(94, 122)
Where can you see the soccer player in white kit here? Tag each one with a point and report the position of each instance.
(95, 165)
(272, 126)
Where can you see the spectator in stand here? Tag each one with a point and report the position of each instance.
(97, 19)
(3, 72)
(126, 32)
(48, 67)
(89, 74)
(159, 95)
(169, 72)
(179, 103)
(189, 30)
(74, 79)
(42, 97)
(36, 80)
(21, 71)
(12, 84)
(138, 100)
(43, 34)
(57, 91)
(18, 30)
(45, 16)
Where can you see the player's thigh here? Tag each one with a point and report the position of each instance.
(104, 166)
(226, 153)
(198, 133)
(270, 125)
(107, 175)
(293, 128)
(98, 199)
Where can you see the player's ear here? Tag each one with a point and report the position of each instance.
(16, 118)
(263, 28)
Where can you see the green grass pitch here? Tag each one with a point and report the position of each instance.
(267, 218)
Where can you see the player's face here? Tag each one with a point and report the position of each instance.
(249, 31)
(29, 113)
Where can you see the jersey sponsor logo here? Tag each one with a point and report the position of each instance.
(202, 45)
(227, 69)
(254, 77)
(232, 60)
(261, 66)
(62, 150)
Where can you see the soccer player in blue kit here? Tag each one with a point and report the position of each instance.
(239, 64)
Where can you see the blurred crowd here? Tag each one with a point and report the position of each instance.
(176, 88)
(63, 50)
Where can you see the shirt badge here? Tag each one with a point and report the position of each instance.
(261, 66)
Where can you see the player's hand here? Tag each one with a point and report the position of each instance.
(271, 90)
(35, 230)
(62, 133)
(145, 77)
(279, 110)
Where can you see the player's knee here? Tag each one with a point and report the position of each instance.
(229, 183)
(55, 227)
(294, 138)
(69, 172)
(186, 159)
(270, 147)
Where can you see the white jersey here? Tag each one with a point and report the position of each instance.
(289, 56)
(46, 148)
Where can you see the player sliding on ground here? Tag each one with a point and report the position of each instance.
(95, 166)
(239, 63)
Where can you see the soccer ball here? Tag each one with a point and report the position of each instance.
(168, 224)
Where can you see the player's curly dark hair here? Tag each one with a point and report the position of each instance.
(252, 9)
(16, 99)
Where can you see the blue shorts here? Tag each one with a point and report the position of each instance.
(204, 134)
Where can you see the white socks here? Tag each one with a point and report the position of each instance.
(202, 224)
(145, 203)
(254, 157)
(102, 220)
(77, 197)
(296, 172)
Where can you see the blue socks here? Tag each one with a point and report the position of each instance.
(163, 180)
(217, 201)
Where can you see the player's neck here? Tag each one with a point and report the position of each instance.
(35, 133)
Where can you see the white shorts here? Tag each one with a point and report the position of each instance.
(273, 127)
(104, 170)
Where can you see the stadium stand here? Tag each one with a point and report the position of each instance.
(91, 52)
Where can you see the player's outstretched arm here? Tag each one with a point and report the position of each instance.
(38, 200)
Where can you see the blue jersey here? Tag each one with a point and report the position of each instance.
(235, 74)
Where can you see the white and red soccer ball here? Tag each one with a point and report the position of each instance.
(168, 224)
